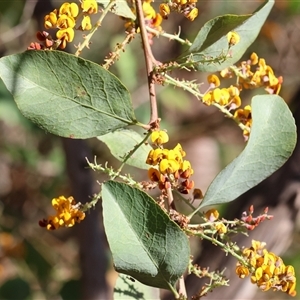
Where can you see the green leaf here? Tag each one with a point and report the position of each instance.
(272, 141)
(127, 288)
(120, 8)
(122, 141)
(144, 242)
(211, 41)
(66, 95)
(15, 288)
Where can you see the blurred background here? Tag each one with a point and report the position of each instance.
(36, 166)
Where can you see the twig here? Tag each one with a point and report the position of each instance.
(169, 36)
(187, 86)
(118, 49)
(136, 147)
(169, 203)
(149, 59)
(87, 38)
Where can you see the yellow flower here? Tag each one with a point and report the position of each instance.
(65, 35)
(212, 215)
(67, 214)
(192, 15)
(50, 20)
(254, 58)
(149, 11)
(221, 228)
(66, 21)
(207, 98)
(69, 9)
(164, 10)
(178, 148)
(157, 21)
(241, 271)
(221, 96)
(159, 137)
(86, 23)
(213, 79)
(243, 115)
(89, 6)
(186, 170)
(233, 38)
(153, 174)
(168, 166)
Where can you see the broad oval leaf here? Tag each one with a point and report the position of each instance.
(122, 141)
(272, 141)
(128, 289)
(144, 242)
(211, 40)
(120, 8)
(66, 95)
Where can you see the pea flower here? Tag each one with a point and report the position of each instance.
(267, 270)
(67, 214)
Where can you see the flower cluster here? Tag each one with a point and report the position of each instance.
(229, 97)
(185, 7)
(64, 19)
(67, 214)
(255, 73)
(225, 97)
(168, 165)
(154, 19)
(267, 270)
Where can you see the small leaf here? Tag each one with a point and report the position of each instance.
(144, 242)
(120, 8)
(211, 40)
(272, 141)
(127, 288)
(122, 141)
(66, 95)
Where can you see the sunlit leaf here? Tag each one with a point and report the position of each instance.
(272, 141)
(66, 95)
(211, 41)
(144, 242)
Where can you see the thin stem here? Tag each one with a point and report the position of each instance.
(173, 290)
(187, 86)
(132, 152)
(88, 37)
(112, 173)
(169, 203)
(149, 59)
(223, 246)
(184, 85)
(181, 287)
(173, 37)
(118, 49)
